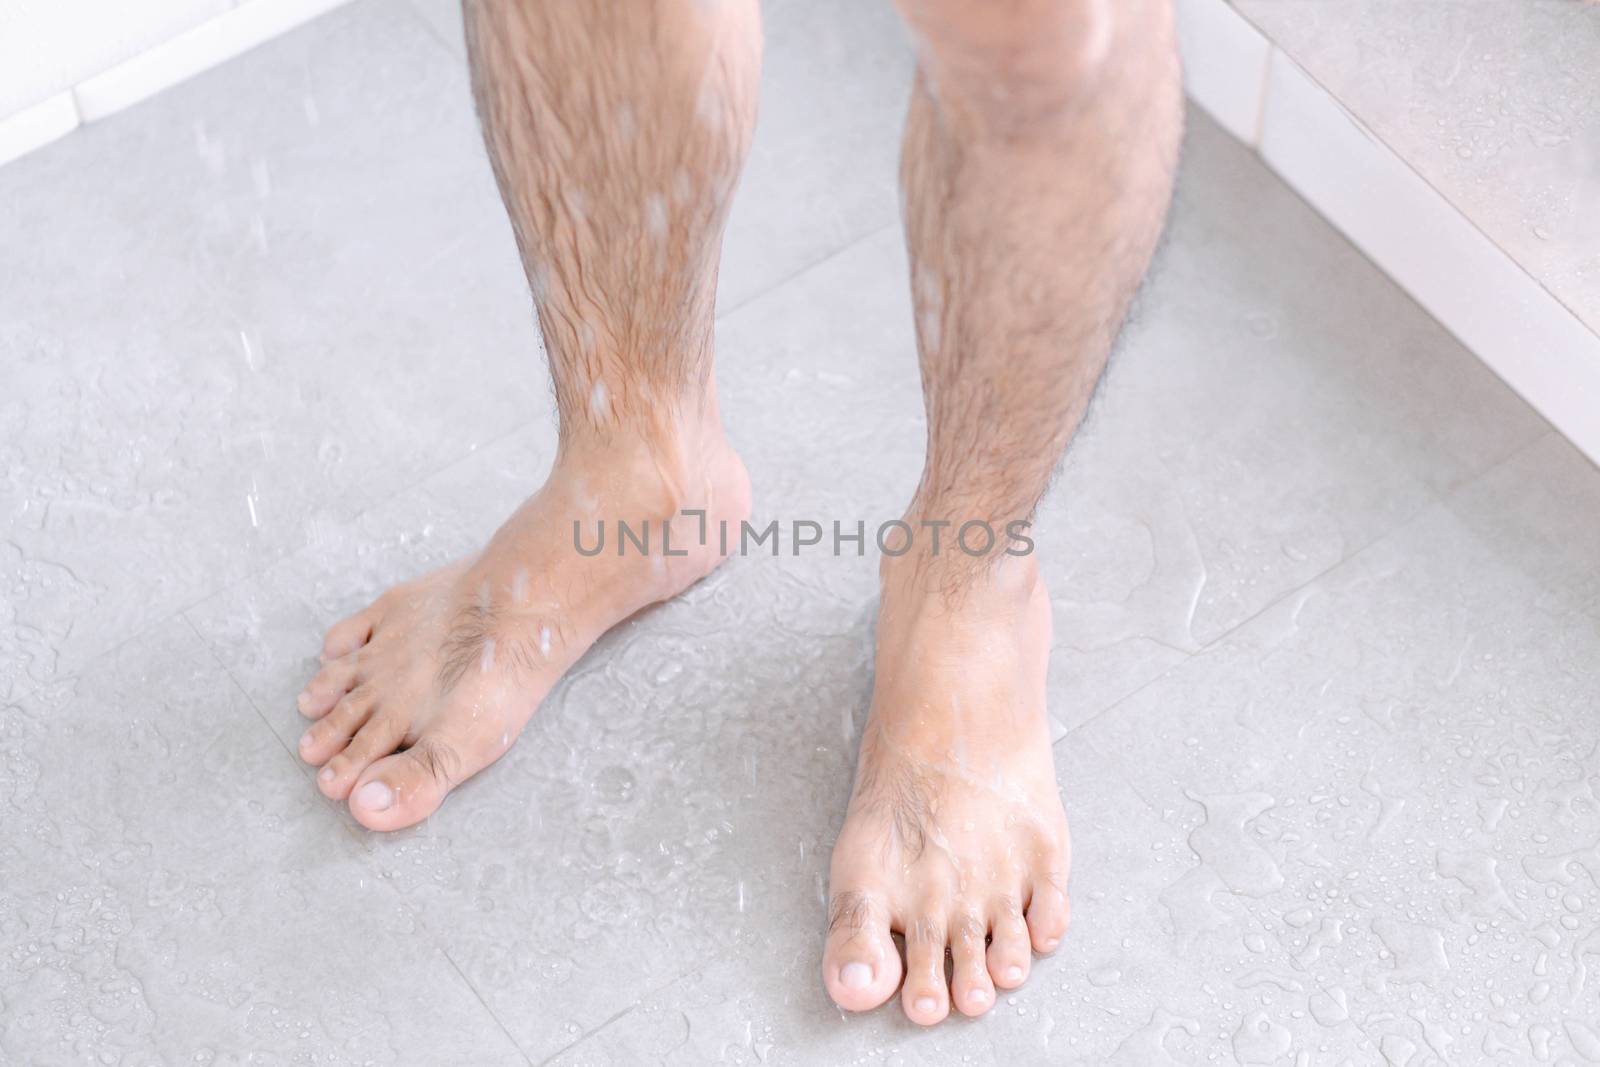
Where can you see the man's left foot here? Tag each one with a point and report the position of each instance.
(955, 834)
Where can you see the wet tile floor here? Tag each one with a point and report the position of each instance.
(1327, 605)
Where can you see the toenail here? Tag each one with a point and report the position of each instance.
(1013, 974)
(305, 740)
(926, 1005)
(1052, 943)
(303, 700)
(325, 775)
(855, 976)
(978, 996)
(375, 796)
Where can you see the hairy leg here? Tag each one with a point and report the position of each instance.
(1037, 167)
(616, 129)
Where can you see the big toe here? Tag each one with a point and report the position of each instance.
(860, 964)
(405, 788)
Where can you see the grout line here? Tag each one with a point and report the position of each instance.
(1436, 500)
(95, 657)
(860, 238)
(1447, 495)
(1446, 491)
(1429, 501)
(211, 651)
(476, 995)
(1097, 716)
(1433, 499)
(629, 1010)
(587, 1034)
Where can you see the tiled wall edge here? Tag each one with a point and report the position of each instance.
(213, 41)
(1432, 251)
(37, 125)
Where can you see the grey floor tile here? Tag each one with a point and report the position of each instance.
(282, 310)
(1495, 104)
(1386, 789)
(823, 168)
(170, 892)
(822, 171)
(1545, 501)
(1277, 404)
(268, 630)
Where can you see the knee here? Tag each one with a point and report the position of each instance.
(1016, 63)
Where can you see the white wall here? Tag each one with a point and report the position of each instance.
(65, 62)
(47, 46)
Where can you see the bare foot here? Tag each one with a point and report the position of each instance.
(433, 681)
(955, 834)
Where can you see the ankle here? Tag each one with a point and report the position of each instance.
(955, 582)
(649, 478)
(959, 550)
(671, 441)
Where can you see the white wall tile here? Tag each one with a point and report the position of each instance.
(189, 53)
(37, 125)
(1224, 64)
(1432, 251)
(47, 46)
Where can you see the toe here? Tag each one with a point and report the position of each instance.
(860, 965)
(925, 996)
(1008, 956)
(405, 788)
(1048, 914)
(330, 734)
(381, 735)
(349, 634)
(970, 987)
(336, 678)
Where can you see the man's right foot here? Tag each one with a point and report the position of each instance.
(433, 681)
